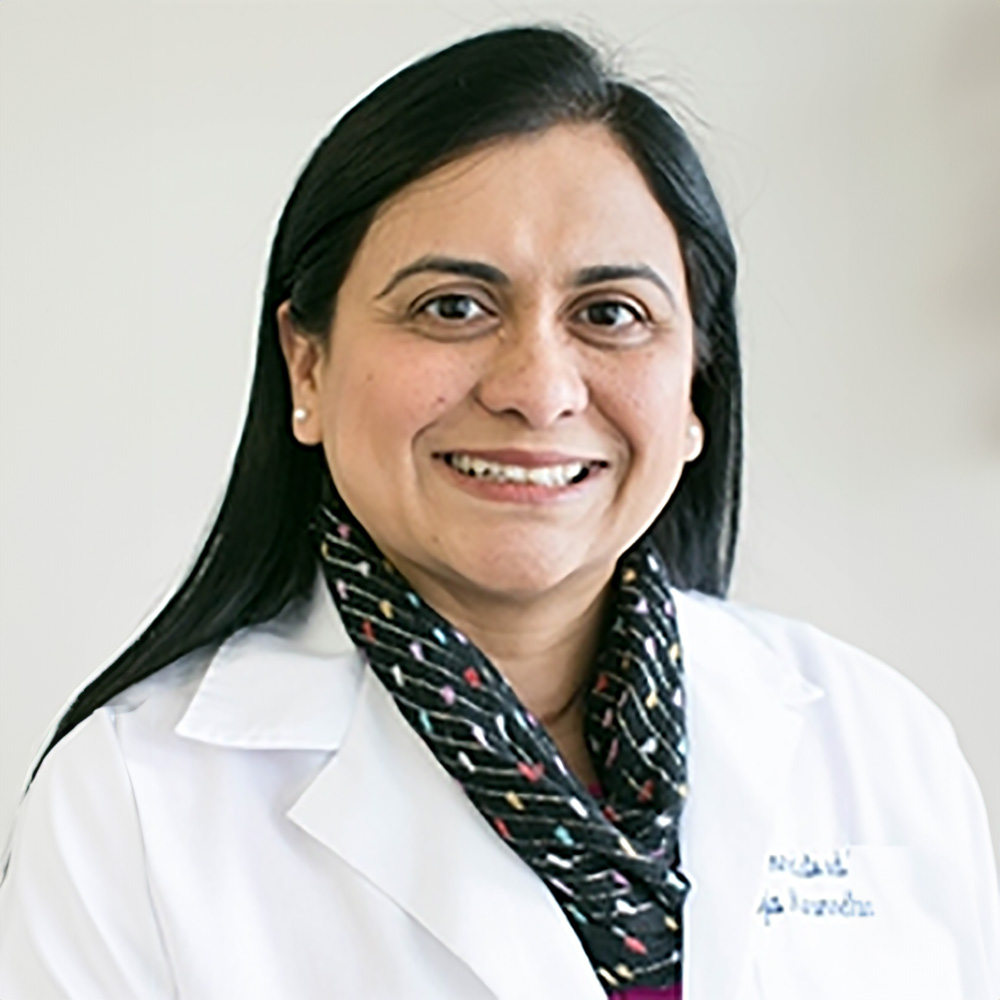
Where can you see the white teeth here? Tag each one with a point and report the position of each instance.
(541, 477)
(551, 475)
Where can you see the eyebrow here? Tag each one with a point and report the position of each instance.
(493, 275)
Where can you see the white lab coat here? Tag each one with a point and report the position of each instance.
(259, 822)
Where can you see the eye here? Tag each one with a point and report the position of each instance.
(612, 314)
(451, 308)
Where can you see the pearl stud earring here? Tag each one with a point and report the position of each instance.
(696, 435)
(300, 414)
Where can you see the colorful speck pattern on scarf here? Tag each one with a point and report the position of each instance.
(611, 863)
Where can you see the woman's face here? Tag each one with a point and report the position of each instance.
(508, 322)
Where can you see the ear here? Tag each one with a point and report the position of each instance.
(304, 358)
(695, 437)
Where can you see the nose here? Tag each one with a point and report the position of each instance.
(535, 372)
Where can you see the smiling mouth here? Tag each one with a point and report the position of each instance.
(556, 475)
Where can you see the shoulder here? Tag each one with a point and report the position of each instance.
(152, 708)
(853, 685)
(287, 683)
(74, 890)
(872, 746)
(158, 702)
(86, 773)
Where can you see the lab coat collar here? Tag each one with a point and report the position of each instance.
(288, 684)
(299, 683)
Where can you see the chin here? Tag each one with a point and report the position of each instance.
(515, 569)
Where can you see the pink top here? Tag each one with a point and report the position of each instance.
(640, 992)
(649, 993)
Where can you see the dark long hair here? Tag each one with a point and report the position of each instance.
(507, 82)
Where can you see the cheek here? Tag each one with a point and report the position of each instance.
(388, 397)
(650, 406)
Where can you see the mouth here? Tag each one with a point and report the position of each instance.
(553, 475)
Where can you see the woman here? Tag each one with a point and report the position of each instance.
(451, 704)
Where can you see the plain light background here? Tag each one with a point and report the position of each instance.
(146, 150)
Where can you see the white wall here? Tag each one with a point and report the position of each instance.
(147, 148)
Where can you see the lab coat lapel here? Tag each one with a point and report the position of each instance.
(386, 806)
(745, 716)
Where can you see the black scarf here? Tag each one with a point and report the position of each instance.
(611, 862)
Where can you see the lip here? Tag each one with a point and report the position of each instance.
(518, 456)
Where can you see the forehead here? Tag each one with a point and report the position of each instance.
(566, 197)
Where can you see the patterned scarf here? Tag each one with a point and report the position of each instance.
(610, 861)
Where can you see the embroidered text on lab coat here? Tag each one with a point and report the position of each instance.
(812, 885)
